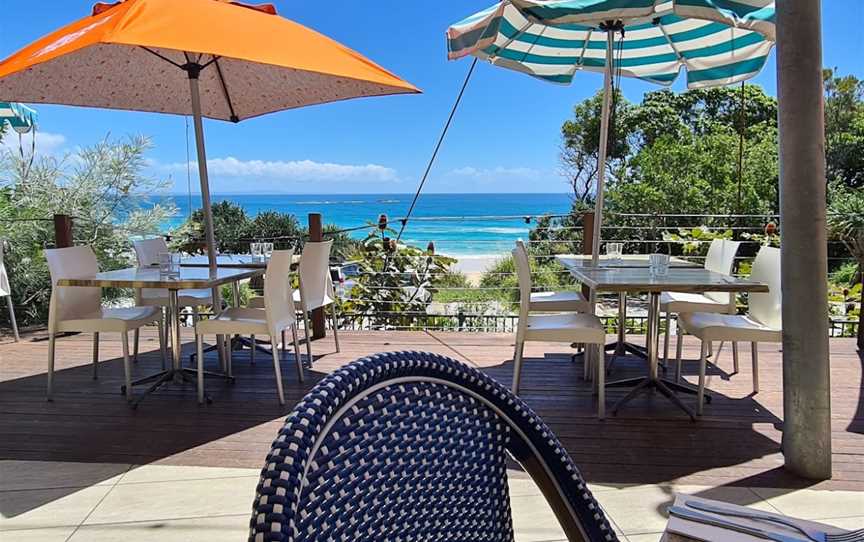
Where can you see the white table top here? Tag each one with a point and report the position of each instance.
(149, 277)
(624, 261)
(640, 279)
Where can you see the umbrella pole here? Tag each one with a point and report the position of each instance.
(210, 237)
(604, 140)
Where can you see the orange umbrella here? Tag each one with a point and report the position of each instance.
(209, 58)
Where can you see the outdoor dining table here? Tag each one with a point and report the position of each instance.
(640, 279)
(576, 261)
(245, 261)
(191, 278)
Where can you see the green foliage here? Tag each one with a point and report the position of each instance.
(846, 275)
(395, 283)
(695, 241)
(846, 217)
(245, 290)
(545, 275)
(844, 129)
(101, 186)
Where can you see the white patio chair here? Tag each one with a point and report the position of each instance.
(79, 309)
(316, 287)
(762, 323)
(552, 301)
(6, 291)
(564, 327)
(277, 315)
(720, 259)
(147, 252)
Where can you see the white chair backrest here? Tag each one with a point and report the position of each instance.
(278, 294)
(72, 302)
(316, 286)
(5, 289)
(523, 274)
(721, 259)
(766, 308)
(147, 251)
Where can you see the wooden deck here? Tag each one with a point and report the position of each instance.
(736, 443)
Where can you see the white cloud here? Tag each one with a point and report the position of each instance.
(46, 142)
(489, 174)
(293, 170)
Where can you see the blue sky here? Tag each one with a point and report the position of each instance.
(505, 137)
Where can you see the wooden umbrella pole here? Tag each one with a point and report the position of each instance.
(604, 140)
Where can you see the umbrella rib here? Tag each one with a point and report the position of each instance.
(234, 117)
(165, 58)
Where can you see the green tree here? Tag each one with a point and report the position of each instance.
(844, 128)
(103, 187)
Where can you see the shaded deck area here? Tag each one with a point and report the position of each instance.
(736, 443)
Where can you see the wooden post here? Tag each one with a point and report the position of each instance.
(62, 231)
(587, 241)
(316, 235)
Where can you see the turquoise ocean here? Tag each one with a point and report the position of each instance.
(459, 224)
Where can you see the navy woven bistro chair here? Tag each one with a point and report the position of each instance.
(412, 446)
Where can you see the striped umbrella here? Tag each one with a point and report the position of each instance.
(717, 42)
(20, 117)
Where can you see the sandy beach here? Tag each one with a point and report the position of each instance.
(473, 267)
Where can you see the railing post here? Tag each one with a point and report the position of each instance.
(316, 235)
(860, 321)
(62, 231)
(587, 244)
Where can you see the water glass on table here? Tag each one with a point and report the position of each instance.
(614, 251)
(267, 250)
(169, 264)
(255, 250)
(659, 264)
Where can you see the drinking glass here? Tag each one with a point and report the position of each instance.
(267, 249)
(659, 264)
(169, 264)
(255, 249)
(614, 250)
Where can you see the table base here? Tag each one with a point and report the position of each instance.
(666, 387)
(178, 376)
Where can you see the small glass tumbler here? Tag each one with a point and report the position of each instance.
(614, 251)
(169, 264)
(255, 249)
(267, 249)
(659, 264)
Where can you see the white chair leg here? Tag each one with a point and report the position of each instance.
(335, 326)
(754, 352)
(96, 355)
(601, 383)
(229, 361)
(300, 372)
(252, 352)
(127, 364)
(199, 343)
(51, 349)
(700, 393)
(734, 357)
(679, 343)
(161, 325)
(666, 339)
(277, 369)
(12, 318)
(136, 336)
(308, 337)
(517, 366)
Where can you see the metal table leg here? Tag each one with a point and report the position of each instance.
(653, 381)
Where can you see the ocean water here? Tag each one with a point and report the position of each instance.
(459, 224)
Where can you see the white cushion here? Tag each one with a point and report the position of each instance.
(112, 319)
(681, 302)
(569, 327)
(728, 327)
(558, 302)
(242, 320)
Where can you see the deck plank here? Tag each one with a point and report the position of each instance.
(736, 443)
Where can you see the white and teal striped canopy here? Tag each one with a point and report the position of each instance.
(19, 116)
(718, 42)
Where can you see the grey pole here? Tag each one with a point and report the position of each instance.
(210, 236)
(804, 258)
(601, 151)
